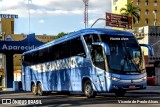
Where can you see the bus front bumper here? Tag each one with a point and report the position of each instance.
(118, 85)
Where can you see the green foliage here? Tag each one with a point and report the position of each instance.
(132, 11)
(61, 34)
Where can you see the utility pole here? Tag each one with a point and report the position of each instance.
(86, 13)
(28, 7)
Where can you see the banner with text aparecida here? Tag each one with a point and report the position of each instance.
(27, 44)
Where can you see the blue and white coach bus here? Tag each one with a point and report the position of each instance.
(91, 60)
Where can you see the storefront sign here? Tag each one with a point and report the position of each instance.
(9, 16)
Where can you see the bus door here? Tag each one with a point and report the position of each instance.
(98, 60)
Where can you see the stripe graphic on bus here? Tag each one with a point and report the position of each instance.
(56, 65)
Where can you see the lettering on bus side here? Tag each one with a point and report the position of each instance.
(56, 65)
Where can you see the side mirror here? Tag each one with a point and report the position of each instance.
(150, 48)
(104, 45)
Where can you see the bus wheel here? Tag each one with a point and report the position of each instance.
(34, 89)
(120, 93)
(88, 90)
(40, 92)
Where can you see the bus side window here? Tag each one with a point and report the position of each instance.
(97, 57)
(42, 55)
(64, 50)
(27, 59)
(90, 39)
(53, 53)
(96, 38)
(77, 48)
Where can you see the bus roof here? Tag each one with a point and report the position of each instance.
(82, 32)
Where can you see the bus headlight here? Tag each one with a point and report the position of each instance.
(115, 79)
(112, 78)
(144, 78)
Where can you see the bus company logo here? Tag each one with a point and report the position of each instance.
(56, 65)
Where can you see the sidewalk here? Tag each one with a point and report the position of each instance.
(149, 89)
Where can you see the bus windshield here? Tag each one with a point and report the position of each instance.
(125, 54)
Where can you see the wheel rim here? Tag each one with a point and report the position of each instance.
(88, 89)
(39, 89)
(33, 89)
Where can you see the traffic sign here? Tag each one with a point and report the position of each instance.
(116, 20)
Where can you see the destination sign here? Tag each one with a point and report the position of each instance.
(116, 20)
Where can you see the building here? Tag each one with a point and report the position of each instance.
(7, 34)
(149, 11)
(146, 30)
(151, 35)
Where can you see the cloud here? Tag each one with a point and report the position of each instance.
(52, 7)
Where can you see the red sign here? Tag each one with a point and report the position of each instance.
(120, 21)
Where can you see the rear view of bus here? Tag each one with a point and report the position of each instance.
(90, 61)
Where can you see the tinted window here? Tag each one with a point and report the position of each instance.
(77, 48)
(66, 49)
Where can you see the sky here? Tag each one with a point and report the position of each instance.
(54, 16)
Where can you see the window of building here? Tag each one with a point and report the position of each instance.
(138, 2)
(138, 21)
(146, 3)
(147, 11)
(12, 27)
(146, 21)
(9, 38)
(115, 7)
(155, 11)
(139, 12)
(155, 3)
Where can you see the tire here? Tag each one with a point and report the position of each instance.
(39, 90)
(120, 93)
(34, 89)
(88, 90)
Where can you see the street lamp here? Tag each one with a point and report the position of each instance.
(155, 17)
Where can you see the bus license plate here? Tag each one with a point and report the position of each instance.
(132, 87)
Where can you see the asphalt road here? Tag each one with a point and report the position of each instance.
(132, 99)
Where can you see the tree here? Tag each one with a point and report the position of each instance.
(132, 11)
(61, 34)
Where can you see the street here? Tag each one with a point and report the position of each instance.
(132, 99)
